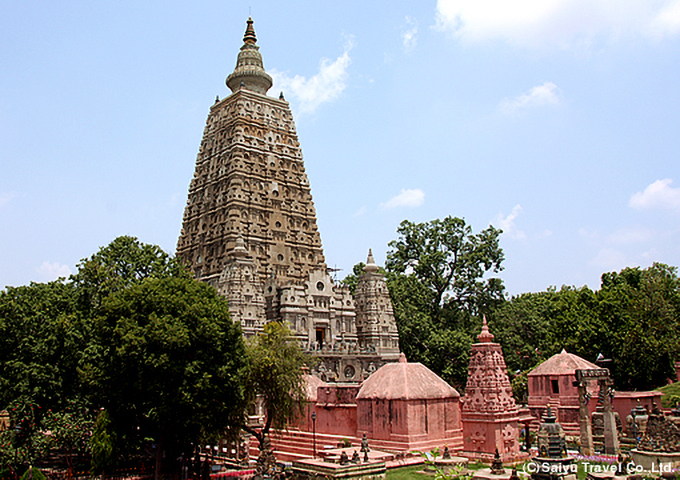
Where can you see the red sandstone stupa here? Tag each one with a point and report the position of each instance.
(405, 407)
(490, 415)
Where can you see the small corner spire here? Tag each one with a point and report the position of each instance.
(240, 249)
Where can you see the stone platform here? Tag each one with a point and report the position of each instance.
(313, 468)
(656, 461)
(485, 474)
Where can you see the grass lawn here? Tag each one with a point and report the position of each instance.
(413, 472)
(671, 394)
(406, 473)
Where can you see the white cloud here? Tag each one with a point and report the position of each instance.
(631, 235)
(5, 198)
(410, 37)
(628, 246)
(667, 20)
(540, 96)
(507, 224)
(407, 198)
(610, 260)
(325, 86)
(51, 271)
(564, 24)
(659, 194)
(360, 212)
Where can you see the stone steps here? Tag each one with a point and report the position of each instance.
(289, 445)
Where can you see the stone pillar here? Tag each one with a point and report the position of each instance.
(611, 439)
(586, 428)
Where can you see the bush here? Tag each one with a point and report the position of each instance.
(33, 474)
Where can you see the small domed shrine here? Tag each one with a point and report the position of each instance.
(552, 382)
(405, 406)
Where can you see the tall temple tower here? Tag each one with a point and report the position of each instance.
(250, 230)
(250, 180)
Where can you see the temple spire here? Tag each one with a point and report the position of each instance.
(485, 336)
(370, 267)
(249, 73)
(240, 249)
(249, 36)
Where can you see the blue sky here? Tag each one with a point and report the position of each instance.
(555, 120)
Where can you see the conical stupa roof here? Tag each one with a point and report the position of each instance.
(249, 72)
(562, 363)
(311, 385)
(405, 381)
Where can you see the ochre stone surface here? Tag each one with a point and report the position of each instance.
(250, 230)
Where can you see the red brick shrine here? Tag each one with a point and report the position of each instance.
(490, 415)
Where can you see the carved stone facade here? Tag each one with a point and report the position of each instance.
(374, 316)
(240, 282)
(250, 180)
(490, 414)
(250, 230)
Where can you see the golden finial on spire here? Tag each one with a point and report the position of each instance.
(249, 36)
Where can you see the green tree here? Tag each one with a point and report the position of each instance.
(103, 444)
(70, 431)
(351, 280)
(124, 262)
(132, 332)
(23, 442)
(640, 309)
(633, 320)
(167, 364)
(275, 373)
(522, 327)
(451, 262)
(438, 276)
(41, 340)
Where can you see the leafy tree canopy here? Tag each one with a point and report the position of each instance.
(41, 340)
(437, 273)
(167, 361)
(633, 320)
(450, 261)
(124, 262)
(276, 373)
(131, 331)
